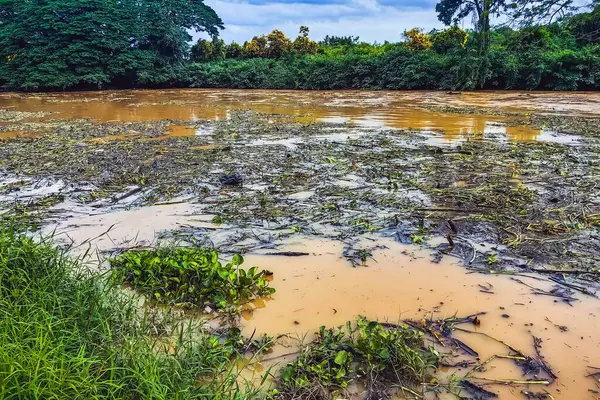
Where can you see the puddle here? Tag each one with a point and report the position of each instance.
(183, 131)
(28, 190)
(17, 134)
(401, 283)
(555, 137)
(368, 109)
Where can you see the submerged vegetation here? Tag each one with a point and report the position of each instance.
(369, 354)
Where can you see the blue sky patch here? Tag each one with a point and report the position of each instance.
(371, 20)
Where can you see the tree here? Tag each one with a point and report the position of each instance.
(448, 39)
(531, 12)
(452, 11)
(277, 44)
(257, 47)
(60, 44)
(586, 26)
(303, 45)
(416, 40)
(219, 49)
(202, 51)
(340, 40)
(234, 50)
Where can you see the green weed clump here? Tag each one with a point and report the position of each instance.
(67, 334)
(192, 276)
(369, 354)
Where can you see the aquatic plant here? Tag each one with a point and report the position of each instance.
(192, 276)
(369, 353)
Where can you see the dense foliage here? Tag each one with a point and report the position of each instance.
(559, 56)
(68, 44)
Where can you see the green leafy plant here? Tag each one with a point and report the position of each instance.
(369, 353)
(492, 259)
(190, 276)
(417, 239)
(326, 362)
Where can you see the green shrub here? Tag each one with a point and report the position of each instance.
(369, 354)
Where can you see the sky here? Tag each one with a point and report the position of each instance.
(371, 20)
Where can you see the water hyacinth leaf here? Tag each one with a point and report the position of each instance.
(191, 276)
(237, 259)
(341, 358)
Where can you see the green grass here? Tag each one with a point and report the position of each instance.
(67, 334)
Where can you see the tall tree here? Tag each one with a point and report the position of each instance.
(530, 12)
(277, 44)
(452, 11)
(303, 44)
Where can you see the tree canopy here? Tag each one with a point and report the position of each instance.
(93, 43)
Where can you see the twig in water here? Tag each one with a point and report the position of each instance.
(511, 381)
(540, 359)
(519, 352)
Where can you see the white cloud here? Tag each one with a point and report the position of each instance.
(368, 19)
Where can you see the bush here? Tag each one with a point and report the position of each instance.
(369, 354)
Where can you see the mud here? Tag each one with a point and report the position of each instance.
(410, 205)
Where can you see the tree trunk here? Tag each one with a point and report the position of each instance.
(484, 27)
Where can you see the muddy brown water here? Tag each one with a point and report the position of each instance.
(400, 282)
(386, 109)
(322, 288)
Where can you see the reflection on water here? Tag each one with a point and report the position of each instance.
(372, 109)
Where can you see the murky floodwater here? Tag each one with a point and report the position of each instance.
(405, 110)
(322, 288)
(399, 282)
